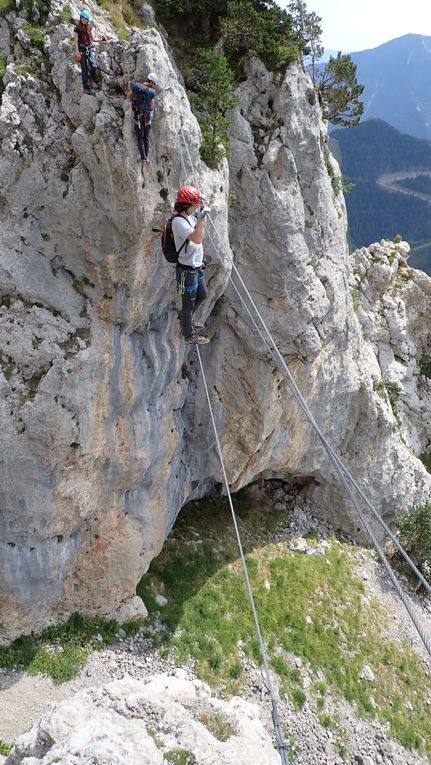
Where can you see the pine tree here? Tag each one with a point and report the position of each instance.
(214, 96)
(262, 29)
(307, 27)
(339, 91)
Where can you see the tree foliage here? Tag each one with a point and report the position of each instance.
(336, 83)
(213, 97)
(339, 91)
(259, 29)
(414, 533)
(242, 29)
(307, 27)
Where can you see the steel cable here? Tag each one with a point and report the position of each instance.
(281, 744)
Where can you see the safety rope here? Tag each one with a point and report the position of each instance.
(112, 73)
(283, 747)
(343, 473)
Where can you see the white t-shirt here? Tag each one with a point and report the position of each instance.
(192, 254)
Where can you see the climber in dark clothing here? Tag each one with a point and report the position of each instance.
(84, 51)
(143, 98)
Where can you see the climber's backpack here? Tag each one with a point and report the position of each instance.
(168, 242)
(141, 99)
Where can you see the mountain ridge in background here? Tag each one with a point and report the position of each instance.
(397, 83)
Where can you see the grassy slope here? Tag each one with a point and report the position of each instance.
(208, 613)
(311, 606)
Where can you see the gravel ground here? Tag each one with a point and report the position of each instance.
(23, 699)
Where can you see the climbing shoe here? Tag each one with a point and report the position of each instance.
(198, 325)
(199, 339)
(87, 91)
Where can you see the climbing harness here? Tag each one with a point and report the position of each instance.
(112, 73)
(343, 473)
(181, 283)
(141, 99)
(87, 51)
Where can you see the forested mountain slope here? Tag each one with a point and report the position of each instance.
(379, 206)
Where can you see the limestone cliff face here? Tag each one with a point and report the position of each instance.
(105, 426)
(393, 304)
(99, 726)
(94, 467)
(290, 243)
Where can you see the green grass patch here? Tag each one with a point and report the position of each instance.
(122, 14)
(180, 757)
(35, 33)
(425, 366)
(3, 64)
(26, 69)
(394, 392)
(208, 613)
(218, 725)
(402, 279)
(336, 180)
(426, 459)
(356, 299)
(5, 748)
(61, 651)
(66, 16)
(155, 736)
(6, 6)
(291, 684)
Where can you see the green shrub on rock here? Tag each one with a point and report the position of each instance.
(414, 531)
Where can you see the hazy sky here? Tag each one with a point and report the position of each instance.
(350, 26)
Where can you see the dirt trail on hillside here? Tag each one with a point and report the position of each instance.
(389, 181)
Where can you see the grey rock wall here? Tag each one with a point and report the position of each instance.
(93, 463)
(106, 432)
(394, 306)
(288, 229)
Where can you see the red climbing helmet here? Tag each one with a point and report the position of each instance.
(188, 195)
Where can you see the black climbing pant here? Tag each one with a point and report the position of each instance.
(192, 288)
(142, 126)
(88, 65)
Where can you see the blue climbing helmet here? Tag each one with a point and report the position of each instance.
(85, 14)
